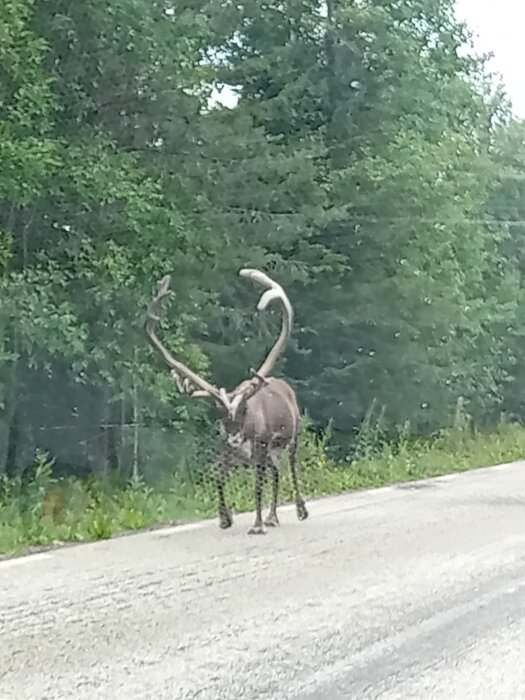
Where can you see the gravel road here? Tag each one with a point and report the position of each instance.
(415, 591)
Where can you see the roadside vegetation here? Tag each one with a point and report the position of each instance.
(47, 511)
(361, 153)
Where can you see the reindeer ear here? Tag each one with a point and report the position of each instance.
(221, 408)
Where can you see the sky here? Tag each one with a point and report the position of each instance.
(499, 26)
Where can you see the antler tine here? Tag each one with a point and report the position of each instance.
(184, 376)
(186, 387)
(164, 291)
(273, 291)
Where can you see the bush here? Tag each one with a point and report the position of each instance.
(45, 511)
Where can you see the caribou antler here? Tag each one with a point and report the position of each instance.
(186, 379)
(260, 417)
(274, 291)
(190, 383)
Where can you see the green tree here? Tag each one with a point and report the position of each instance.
(393, 262)
(506, 207)
(367, 164)
(88, 225)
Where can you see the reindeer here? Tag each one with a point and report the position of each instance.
(258, 419)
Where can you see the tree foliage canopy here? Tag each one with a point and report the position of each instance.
(368, 163)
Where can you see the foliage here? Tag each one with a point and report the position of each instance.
(50, 512)
(369, 163)
(396, 295)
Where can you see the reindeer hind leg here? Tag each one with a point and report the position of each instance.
(272, 520)
(300, 506)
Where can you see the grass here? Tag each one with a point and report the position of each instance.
(48, 512)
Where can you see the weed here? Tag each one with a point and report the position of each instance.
(43, 510)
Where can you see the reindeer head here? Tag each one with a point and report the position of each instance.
(231, 405)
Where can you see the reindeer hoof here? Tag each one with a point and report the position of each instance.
(257, 530)
(302, 513)
(225, 519)
(272, 520)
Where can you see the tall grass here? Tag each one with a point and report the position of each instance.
(46, 511)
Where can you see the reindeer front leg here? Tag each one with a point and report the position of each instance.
(260, 478)
(225, 515)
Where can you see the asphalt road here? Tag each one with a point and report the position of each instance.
(405, 592)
